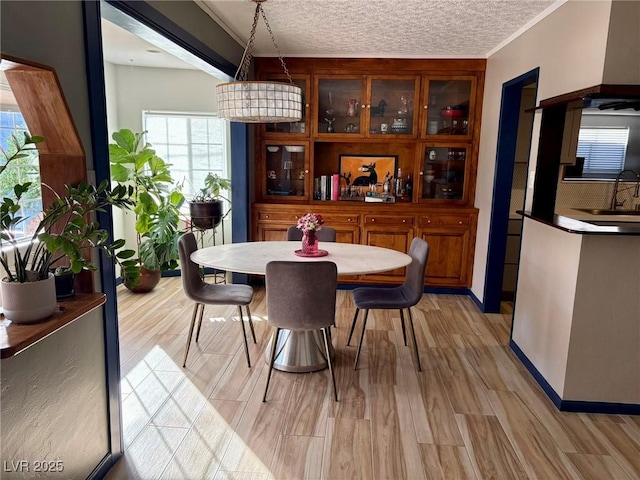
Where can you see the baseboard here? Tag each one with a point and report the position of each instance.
(477, 301)
(573, 405)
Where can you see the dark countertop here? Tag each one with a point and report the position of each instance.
(573, 225)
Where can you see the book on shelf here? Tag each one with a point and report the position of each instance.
(335, 187)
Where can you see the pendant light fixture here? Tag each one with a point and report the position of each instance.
(259, 101)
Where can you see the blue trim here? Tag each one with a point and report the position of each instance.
(503, 179)
(240, 221)
(477, 301)
(100, 154)
(104, 466)
(146, 14)
(573, 405)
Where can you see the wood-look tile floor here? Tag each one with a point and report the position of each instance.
(473, 412)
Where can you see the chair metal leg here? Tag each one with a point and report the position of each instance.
(353, 326)
(415, 343)
(199, 323)
(193, 322)
(253, 333)
(274, 343)
(244, 337)
(404, 329)
(364, 324)
(325, 332)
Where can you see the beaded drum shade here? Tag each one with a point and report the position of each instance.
(259, 101)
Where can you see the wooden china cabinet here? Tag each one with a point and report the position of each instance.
(364, 121)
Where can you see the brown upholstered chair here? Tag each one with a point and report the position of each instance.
(301, 296)
(325, 234)
(404, 296)
(203, 293)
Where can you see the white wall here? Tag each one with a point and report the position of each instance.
(569, 48)
(130, 90)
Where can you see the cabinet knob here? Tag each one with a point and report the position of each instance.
(460, 222)
(364, 106)
(428, 221)
(426, 107)
(373, 220)
(368, 106)
(404, 221)
(306, 105)
(266, 216)
(306, 171)
(348, 219)
(421, 173)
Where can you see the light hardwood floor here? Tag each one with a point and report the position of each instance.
(473, 412)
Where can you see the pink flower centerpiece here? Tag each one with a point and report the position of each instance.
(310, 223)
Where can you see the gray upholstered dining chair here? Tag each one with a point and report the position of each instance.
(301, 296)
(404, 296)
(203, 293)
(325, 234)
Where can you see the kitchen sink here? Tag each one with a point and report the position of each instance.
(607, 211)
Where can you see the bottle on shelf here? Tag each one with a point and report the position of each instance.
(399, 184)
(408, 188)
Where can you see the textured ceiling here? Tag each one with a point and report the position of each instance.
(380, 28)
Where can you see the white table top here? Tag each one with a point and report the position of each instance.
(252, 257)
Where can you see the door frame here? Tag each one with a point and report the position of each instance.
(502, 183)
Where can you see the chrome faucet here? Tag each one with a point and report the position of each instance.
(616, 188)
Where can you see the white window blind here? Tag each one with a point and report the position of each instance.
(603, 149)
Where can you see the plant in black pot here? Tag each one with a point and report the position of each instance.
(63, 232)
(206, 208)
(156, 206)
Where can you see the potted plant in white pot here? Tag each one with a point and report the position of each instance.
(63, 232)
(206, 208)
(156, 206)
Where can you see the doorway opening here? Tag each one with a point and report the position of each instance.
(509, 187)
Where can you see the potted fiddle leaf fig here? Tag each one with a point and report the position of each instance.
(206, 206)
(63, 233)
(156, 205)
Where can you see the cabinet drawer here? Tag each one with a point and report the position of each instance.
(388, 219)
(445, 220)
(331, 218)
(279, 216)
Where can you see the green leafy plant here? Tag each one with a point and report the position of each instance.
(156, 202)
(213, 185)
(64, 230)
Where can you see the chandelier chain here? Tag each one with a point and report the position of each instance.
(273, 39)
(243, 70)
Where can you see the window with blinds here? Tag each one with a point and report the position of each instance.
(604, 150)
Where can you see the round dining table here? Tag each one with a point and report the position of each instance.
(299, 351)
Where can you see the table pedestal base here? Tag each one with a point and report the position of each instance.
(299, 351)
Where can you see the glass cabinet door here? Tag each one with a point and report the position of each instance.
(448, 106)
(391, 106)
(301, 128)
(286, 171)
(443, 172)
(339, 106)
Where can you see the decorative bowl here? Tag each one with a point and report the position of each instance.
(452, 112)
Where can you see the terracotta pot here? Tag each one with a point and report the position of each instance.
(148, 280)
(28, 302)
(206, 215)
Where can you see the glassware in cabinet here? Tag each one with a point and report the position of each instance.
(448, 106)
(300, 128)
(391, 106)
(444, 172)
(339, 106)
(286, 171)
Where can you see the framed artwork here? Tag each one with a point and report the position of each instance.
(365, 170)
